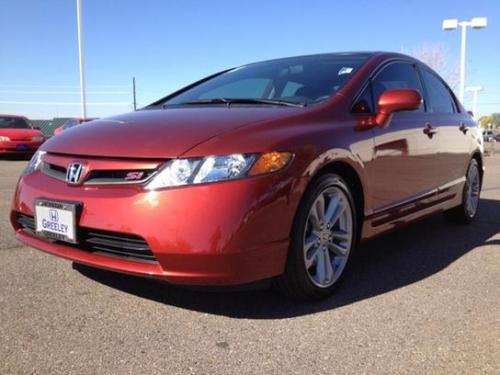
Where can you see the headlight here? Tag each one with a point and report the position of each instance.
(37, 138)
(219, 168)
(180, 172)
(4, 139)
(35, 163)
(175, 173)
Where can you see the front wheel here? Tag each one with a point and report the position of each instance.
(322, 239)
(467, 211)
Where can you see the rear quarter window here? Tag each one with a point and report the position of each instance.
(439, 96)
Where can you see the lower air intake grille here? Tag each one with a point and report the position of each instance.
(102, 242)
(117, 244)
(26, 222)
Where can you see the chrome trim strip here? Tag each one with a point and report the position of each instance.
(108, 181)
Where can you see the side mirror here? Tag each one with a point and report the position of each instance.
(392, 101)
(37, 128)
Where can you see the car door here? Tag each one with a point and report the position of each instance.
(455, 141)
(404, 156)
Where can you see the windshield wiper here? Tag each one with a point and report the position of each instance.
(229, 101)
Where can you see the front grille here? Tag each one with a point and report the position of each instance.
(101, 177)
(54, 171)
(107, 243)
(104, 177)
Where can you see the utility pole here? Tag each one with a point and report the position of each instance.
(133, 93)
(79, 20)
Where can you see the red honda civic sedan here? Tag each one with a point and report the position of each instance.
(273, 170)
(18, 136)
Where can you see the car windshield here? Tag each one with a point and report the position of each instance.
(14, 123)
(304, 80)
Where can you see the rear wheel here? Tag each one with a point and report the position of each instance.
(466, 212)
(322, 241)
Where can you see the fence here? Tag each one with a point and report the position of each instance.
(64, 101)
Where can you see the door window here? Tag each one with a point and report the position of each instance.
(396, 76)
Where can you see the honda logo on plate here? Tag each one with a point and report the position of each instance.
(54, 216)
(74, 173)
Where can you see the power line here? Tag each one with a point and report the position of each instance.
(62, 92)
(8, 85)
(66, 103)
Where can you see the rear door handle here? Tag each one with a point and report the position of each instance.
(430, 130)
(463, 128)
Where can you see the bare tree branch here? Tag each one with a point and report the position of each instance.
(437, 57)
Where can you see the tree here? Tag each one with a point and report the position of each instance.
(491, 121)
(437, 57)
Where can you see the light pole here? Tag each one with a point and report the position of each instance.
(452, 24)
(83, 101)
(475, 90)
(133, 94)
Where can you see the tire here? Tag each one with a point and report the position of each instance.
(467, 211)
(315, 244)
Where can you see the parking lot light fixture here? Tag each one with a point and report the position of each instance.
(450, 24)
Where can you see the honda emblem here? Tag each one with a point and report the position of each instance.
(74, 173)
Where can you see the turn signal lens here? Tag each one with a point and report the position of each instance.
(270, 162)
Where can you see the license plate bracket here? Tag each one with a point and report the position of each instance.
(56, 220)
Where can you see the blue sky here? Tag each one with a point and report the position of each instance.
(168, 44)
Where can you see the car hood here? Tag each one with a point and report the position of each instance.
(164, 133)
(20, 134)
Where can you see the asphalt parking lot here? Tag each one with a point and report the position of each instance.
(422, 300)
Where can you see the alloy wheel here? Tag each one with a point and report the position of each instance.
(328, 237)
(472, 191)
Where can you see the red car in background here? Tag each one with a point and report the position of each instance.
(72, 122)
(18, 135)
(271, 170)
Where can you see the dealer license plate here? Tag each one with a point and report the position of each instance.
(56, 220)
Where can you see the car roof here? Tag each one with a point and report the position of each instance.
(367, 54)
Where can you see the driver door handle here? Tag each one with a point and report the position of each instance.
(430, 130)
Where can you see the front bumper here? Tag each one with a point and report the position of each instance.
(19, 147)
(226, 233)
